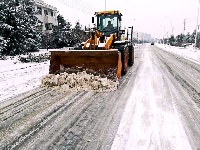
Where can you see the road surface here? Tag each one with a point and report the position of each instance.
(156, 107)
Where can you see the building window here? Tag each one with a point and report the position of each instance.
(48, 26)
(39, 10)
(40, 26)
(45, 12)
(51, 13)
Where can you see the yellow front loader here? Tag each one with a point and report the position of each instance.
(105, 52)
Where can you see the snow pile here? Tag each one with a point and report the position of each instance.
(79, 82)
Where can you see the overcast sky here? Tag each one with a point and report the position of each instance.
(150, 16)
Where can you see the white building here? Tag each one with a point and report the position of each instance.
(140, 36)
(46, 14)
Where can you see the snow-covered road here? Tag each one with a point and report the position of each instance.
(151, 120)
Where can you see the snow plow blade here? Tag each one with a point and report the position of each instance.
(106, 63)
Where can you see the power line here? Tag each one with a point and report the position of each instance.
(86, 8)
(80, 7)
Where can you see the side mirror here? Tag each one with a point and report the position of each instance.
(92, 19)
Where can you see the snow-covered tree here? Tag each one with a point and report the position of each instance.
(62, 35)
(171, 40)
(18, 27)
(192, 37)
(188, 38)
(179, 38)
(68, 33)
(47, 41)
(77, 32)
(79, 35)
(29, 31)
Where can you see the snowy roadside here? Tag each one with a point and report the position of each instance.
(17, 77)
(189, 52)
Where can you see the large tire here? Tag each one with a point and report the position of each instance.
(119, 66)
(131, 55)
(125, 57)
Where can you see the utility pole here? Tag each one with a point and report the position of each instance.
(172, 28)
(143, 38)
(164, 34)
(127, 34)
(184, 25)
(197, 25)
(105, 5)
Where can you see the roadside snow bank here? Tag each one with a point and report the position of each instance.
(79, 82)
(189, 52)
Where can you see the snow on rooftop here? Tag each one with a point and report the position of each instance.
(42, 3)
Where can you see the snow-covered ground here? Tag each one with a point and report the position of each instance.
(150, 120)
(189, 52)
(146, 123)
(17, 77)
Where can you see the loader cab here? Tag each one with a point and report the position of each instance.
(109, 22)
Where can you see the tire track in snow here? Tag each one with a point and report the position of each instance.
(188, 103)
(150, 114)
(65, 120)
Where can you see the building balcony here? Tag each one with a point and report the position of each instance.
(50, 19)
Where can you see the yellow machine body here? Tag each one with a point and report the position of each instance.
(97, 53)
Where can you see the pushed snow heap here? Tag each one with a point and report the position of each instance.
(80, 81)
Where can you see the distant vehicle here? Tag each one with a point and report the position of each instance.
(152, 43)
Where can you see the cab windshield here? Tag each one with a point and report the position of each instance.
(108, 22)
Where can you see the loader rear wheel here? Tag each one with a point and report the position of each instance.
(131, 55)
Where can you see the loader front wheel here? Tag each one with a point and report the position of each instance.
(125, 61)
(119, 66)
